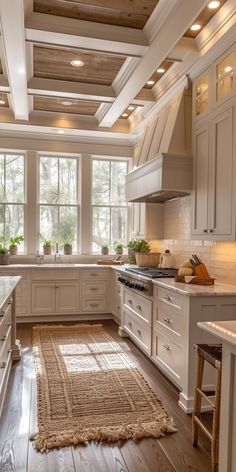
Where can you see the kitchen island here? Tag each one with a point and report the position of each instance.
(9, 346)
(225, 331)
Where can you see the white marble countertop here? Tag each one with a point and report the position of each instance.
(215, 290)
(7, 285)
(225, 330)
(53, 266)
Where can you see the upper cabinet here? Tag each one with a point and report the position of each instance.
(147, 220)
(216, 85)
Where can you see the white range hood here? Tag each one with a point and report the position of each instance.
(166, 177)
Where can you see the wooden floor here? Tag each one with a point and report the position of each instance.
(172, 453)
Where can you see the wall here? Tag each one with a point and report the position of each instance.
(220, 257)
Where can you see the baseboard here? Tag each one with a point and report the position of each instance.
(58, 318)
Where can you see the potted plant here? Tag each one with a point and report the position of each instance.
(139, 252)
(47, 247)
(118, 248)
(13, 244)
(104, 249)
(4, 254)
(67, 247)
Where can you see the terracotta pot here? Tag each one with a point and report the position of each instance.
(47, 250)
(67, 249)
(13, 249)
(4, 259)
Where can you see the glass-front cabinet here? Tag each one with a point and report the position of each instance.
(201, 95)
(225, 76)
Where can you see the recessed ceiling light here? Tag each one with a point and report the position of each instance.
(124, 115)
(131, 108)
(67, 103)
(195, 27)
(150, 82)
(213, 5)
(60, 131)
(77, 63)
(161, 70)
(2, 102)
(228, 69)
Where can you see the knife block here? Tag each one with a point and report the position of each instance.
(201, 271)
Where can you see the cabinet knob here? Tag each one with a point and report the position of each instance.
(139, 332)
(130, 324)
(211, 230)
(3, 338)
(3, 365)
(130, 302)
(205, 231)
(139, 307)
(168, 298)
(167, 320)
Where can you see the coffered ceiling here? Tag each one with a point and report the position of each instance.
(98, 68)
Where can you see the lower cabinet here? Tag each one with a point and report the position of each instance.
(55, 297)
(137, 319)
(94, 290)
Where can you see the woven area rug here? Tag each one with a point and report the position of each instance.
(89, 389)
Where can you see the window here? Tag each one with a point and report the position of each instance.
(109, 208)
(12, 196)
(58, 200)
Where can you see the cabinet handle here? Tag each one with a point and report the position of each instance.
(93, 289)
(3, 338)
(139, 307)
(168, 298)
(94, 304)
(2, 313)
(167, 320)
(93, 275)
(130, 302)
(205, 231)
(139, 332)
(168, 348)
(130, 324)
(211, 230)
(3, 365)
(56, 286)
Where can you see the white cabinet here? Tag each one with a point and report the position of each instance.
(213, 215)
(94, 290)
(137, 319)
(175, 331)
(115, 296)
(147, 220)
(23, 292)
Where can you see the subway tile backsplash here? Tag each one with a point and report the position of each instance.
(220, 257)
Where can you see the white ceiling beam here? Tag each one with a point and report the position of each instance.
(66, 89)
(168, 37)
(74, 33)
(12, 28)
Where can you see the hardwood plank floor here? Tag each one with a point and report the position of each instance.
(172, 453)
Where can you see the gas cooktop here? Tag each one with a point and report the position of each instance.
(153, 272)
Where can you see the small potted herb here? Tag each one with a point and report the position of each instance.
(4, 254)
(68, 247)
(104, 249)
(13, 244)
(47, 247)
(118, 248)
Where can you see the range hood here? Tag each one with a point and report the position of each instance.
(166, 177)
(163, 160)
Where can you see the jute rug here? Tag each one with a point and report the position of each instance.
(89, 389)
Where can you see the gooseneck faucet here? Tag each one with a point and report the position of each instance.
(57, 256)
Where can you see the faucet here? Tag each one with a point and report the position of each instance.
(57, 256)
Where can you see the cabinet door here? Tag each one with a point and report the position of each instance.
(148, 220)
(43, 298)
(67, 299)
(200, 180)
(221, 175)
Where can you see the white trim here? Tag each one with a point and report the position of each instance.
(158, 18)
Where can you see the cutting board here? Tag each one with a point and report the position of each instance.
(109, 262)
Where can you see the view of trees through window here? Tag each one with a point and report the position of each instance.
(110, 210)
(58, 200)
(12, 196)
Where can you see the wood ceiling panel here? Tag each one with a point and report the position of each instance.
(129, 13)
(80, 107)
(202, 20)
(156, 76)
(52, 63)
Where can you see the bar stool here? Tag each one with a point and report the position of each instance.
(211, 353)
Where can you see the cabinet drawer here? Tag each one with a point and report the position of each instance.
(5, 354)
(170, 319)
(94, 305)
(54, 274)
(93, 274)
(168, 355)
(93, 289)
(5, 317)
(141, 335)
(9, 272)
(170, 297)
(139, 305)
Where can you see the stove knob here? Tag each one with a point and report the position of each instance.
(131, 285)
(136, 286)
(142, 288)
(119, 279)
(126, 282)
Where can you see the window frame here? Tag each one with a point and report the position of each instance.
(24, 203)
(126, 206)
(76, 205)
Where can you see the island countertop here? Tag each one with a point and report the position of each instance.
(225, 330)
(7, 285)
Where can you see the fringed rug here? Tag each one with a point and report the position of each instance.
(89, 389)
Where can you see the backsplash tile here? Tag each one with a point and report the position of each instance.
(219, 257)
